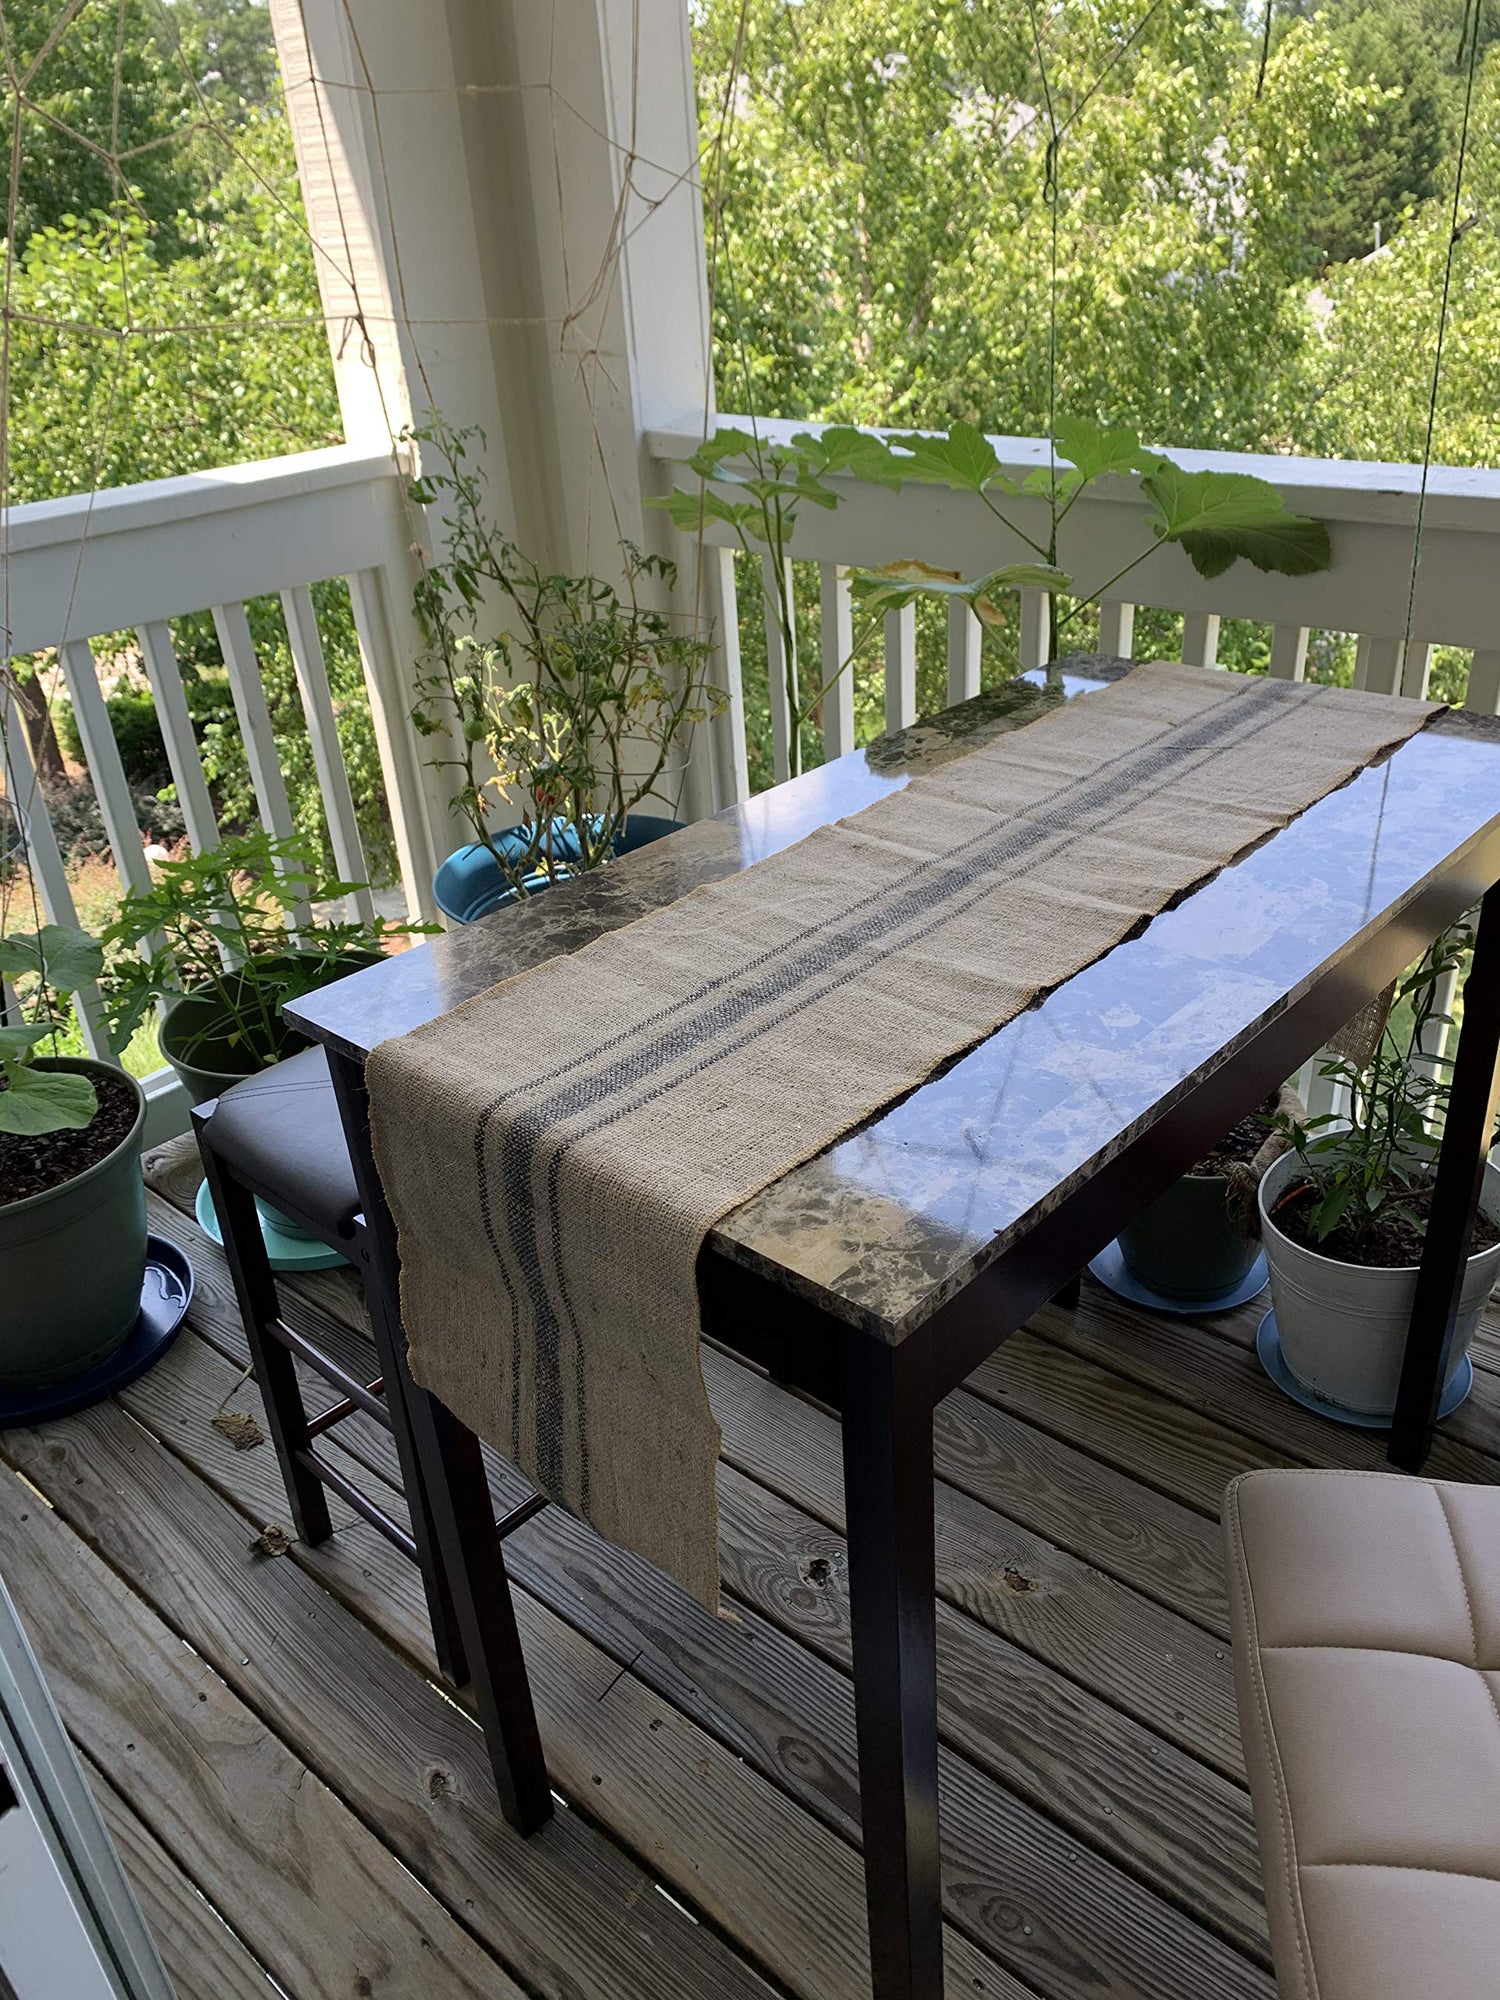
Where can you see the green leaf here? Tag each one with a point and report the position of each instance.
(16, 1041)
(690, 510)
(65, 957)
(46, 1100)
(841, 448)
(1219, 516)
(895, 585)
(964, 458)
(1093, 451)
(723, 444)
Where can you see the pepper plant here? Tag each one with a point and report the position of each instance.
(1367, 1163)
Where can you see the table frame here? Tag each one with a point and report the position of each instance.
(886, 1394)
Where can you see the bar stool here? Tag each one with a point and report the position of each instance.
(279, 1136)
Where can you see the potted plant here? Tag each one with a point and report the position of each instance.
(72, 1201)
(1198, 1243)
(210, 941)
(567, 712)
(1344, 1211)
(757, 485)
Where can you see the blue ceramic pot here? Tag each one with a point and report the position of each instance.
(471, 882)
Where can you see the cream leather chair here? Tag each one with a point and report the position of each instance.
(1367, 1654)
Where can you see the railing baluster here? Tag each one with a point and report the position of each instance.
(781, 672)
(328, 756)
(1378, 662)
(373, 598)
(102, 755)
(731, 760)
(965, 652)
(1036, 629)
(254, 718)
(1483, 696)
(175, 721)
(837, 608)
(1117, 628)
(1289, 652)
(1416, 670)
(43, 856)
(1200, 638)
(900, 668)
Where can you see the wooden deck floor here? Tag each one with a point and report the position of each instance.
(302, 1809)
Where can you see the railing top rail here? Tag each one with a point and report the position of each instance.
(1335, 489)
(133, 555)
(154, 503)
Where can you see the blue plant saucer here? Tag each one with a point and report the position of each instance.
(1110, 1268)
(286, 1251)
(1268, 1347)
(166, 1293)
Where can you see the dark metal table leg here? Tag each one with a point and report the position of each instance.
(1455, 1199)
(452, 1515)
(888, 1488)
(275, 1370)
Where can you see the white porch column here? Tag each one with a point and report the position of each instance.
(505, 198)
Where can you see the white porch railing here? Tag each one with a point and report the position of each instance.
(136, 557)
(131, 558)
(1370, 511)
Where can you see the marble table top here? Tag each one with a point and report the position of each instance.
(897, 1217)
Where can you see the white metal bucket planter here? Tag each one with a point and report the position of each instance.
(1342, 1327)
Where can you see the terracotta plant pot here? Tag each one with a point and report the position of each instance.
(1342, 1327)
(72, 1258)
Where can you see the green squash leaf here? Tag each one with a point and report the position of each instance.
(46, 1100)
(895, 585)
(65, 957)
(692, 510)
(723, 444)
(16, 1041)
(1220, 516)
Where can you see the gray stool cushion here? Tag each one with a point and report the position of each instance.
(281, 1131)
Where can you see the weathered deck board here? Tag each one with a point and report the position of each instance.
(789, 1716)
(200, 1952)
(1097, 1835)
(1131, 1796)
(1134, 1534)
(708, 1825)
(1195, 1374)
(1164, 1671)
(319, 1898)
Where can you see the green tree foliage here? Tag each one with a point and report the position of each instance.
(887, 212)
(1389, 165)
(140, 350)
(164, 319)
(141, 81)
(889, 197)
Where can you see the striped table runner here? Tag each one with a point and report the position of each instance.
(556, 1150)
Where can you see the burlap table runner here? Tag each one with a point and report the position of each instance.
(556, 1150)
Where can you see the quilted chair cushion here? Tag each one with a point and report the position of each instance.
(1367, 1657)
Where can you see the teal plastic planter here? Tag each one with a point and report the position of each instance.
(72, 1259)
